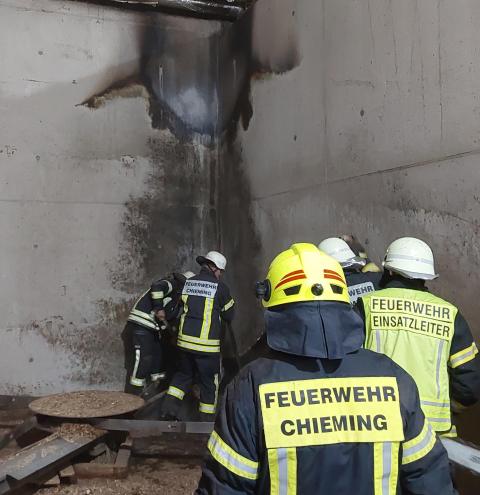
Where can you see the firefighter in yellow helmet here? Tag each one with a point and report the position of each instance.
(423, 333)
(320, 414)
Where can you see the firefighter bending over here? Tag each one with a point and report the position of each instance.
(156, 310)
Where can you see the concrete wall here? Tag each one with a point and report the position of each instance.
(374, 130)
(335, 116)
(107, 180)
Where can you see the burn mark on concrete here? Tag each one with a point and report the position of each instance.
(254, 48)
(245, 56)
(126, 88)
(179, 70)
(198, 89)
(275, 37)
(198, 82)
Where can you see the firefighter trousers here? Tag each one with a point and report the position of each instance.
(204, 367)
(148, 359)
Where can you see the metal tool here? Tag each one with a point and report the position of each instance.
(143, 428)
(463, 454)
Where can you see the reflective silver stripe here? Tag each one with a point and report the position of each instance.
(216, 445)
(167, 300)
(215, 381)
(377, 340)
(435, 404)
(282, 471)
(441, 343)
(143, 322)
(137, 382)
(142, 314)
(206, 408)
(157, 376)
(462, 355)
(144, 319)
(160, 294)
(228, 305)
(196, 347)
(185, 311)
(439, 420)
(198, 340)
(387, 468)
(207, 318)
(421, 445)
(176, 392)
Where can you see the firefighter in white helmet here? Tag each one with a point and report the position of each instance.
(206, 301)
(423, 333)
(357, 247)
(359, 282)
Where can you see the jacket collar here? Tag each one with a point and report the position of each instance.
(206, 274)
(397, 282)
(319, 329)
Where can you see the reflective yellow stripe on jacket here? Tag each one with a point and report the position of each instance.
(420, 446)
(385, 467)
(202, 343)
(230, 459)
(228, 305)
(282, 464)
(144, 319)
(464, 356)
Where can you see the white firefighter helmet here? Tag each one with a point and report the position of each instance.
(214, 257)
(411, 258)
(339, 250)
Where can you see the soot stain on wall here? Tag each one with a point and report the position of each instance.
(239, 66)
(198, 91)
(241, 244)
(85, 345)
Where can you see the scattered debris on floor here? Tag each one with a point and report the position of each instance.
(147, 477)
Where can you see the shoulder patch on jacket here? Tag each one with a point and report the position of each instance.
(200, 288)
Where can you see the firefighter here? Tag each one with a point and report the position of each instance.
(320, 414)
(358, 282)
(359, 250)
(423, 333)
(206, 302)
(151, 315)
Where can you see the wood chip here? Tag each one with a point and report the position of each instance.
(86, 404)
